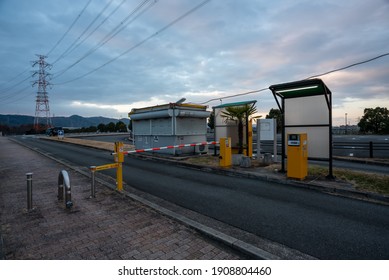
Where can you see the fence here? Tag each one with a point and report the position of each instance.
(362, 149)
(366, 149)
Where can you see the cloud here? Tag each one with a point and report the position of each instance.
(117, 109)
(224, 48)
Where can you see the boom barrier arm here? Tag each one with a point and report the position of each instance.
(119, 159)
(169, 147)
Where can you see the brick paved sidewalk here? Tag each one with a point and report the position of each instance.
(112, 226)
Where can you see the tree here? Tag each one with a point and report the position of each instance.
(92, 128)
(111, 127)
(239, 113)
(275, 114)
(375, 121)
(102, 127)
(120, 126)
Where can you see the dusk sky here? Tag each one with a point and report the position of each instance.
(109, 56)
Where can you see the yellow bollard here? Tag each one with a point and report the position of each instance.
(250, 139)
(119, 156)
(119, 177)
(119, 159)
(225, 152)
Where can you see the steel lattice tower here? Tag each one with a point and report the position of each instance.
(42, 109)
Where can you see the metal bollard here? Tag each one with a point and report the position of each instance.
(29, 191)
(93, 186)
(64, 187)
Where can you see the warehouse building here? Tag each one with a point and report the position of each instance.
(170, 124)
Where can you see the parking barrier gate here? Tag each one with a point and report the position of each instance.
(119, 159)
(171, 147)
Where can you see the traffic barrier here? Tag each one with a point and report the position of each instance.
(170, 147)
(119, 159)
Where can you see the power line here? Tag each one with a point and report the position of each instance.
(68, 50)
(101, 23)
(15, 85)
(235, 95)
(10, 97)
(111, 34)
(8, 101)
(72, 47)
(140, 43)
(52, 49)
(326, 73)
(98, 26)
(70, 27)
(18, 75)
(349, 66)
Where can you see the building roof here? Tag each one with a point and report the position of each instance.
(235, 104)
(188, 106)
(300, 88)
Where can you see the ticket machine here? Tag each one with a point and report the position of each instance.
(297, 150)
(225, 152)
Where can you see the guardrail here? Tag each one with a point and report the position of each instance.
(367, 149)
(370, 147)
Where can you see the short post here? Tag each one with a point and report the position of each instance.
(64, 188)
(93, 186)
(119, 177)
(119, 159)
(29, 191)
(371, 149)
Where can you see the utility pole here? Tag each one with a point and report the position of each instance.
(42, 109)
(345, 120)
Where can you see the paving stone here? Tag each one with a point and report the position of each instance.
(111, 226)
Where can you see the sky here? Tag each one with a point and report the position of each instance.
(109, 56)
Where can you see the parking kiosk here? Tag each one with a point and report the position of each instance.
(297, 151)
(225, 158)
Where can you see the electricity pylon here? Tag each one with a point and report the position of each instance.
(42, 109)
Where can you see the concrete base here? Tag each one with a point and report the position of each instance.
(245, 162)
(241, 160)
(236, 159)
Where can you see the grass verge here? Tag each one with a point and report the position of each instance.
(362, 181)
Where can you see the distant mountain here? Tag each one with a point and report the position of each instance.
(72, 121)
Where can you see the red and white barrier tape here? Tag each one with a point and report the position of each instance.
(171, 147)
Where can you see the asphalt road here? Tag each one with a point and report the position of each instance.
(324, 226)
(336, 163)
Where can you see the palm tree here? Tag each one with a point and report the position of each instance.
(239, 113)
